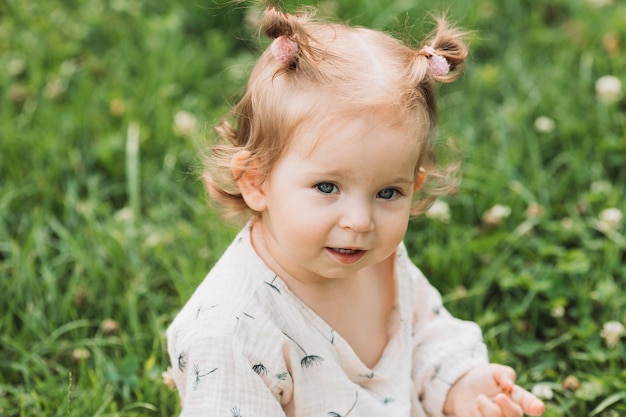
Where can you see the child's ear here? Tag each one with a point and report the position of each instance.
(420, 179)
(249, 180)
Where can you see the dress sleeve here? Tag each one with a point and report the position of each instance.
(215, 378)
(444, 347)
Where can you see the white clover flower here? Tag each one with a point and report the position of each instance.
(534, 210)
(543, 391)
(69, 67)
(567, 223)
(601, 187)
(611, 333)
(496, 214)
(557, 312)
(16, 66)
(544, 124)
(610, 220)
(168, 378)
(440, 210)
(80, 354)
(185, 123)
(571, 383)
(109, 326)
(609, 89)
(123, 214)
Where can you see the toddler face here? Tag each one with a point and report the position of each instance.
(340, 202)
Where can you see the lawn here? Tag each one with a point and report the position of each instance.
(105, 229)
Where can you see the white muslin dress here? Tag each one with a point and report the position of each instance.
(245, 346)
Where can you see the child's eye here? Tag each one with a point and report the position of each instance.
(388, 193)
(326, 188)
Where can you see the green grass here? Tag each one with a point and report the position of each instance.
(102, 216)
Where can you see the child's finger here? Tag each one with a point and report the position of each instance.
(507, 406)
(531, 405)
(475, 413)
(487, 408)
(505, 378)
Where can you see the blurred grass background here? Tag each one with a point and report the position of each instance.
(105, 230)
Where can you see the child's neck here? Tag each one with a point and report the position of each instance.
(358, 307)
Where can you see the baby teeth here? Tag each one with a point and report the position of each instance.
(346, 251)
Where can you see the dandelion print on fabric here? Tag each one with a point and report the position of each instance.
(199, 375)
(308, 360)
(272, 286)
(260, 369)
(335, 414)
(182, 362)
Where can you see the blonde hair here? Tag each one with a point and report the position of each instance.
(363, 70)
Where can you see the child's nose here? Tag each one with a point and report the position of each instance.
(357, 216)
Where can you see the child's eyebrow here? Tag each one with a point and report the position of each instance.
(340, 173)
(321, 172)
(403, 180)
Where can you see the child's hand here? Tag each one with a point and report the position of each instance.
(490, 391)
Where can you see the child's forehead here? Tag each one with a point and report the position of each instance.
(332, 117)
(334, 128)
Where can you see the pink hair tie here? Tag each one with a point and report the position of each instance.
(438, 64)
(285, 50)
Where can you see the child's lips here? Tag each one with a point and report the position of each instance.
(347, 255)
(346, 251)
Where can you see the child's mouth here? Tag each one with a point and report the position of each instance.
(347, 256)
(346, 251)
